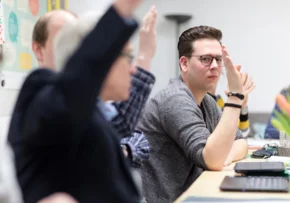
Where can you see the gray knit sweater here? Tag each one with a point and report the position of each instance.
(177, 133)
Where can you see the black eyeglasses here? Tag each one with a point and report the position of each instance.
(127, 55)
(206, 60)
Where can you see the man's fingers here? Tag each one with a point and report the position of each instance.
(228, 62)
(238, 67)
(251, 88)
(245, 79)
(225, 52)
(152, 24)
(146, 19)
(151, 19)
(249, 82)
(226, 58)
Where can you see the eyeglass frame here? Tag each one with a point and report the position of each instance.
(216, 59)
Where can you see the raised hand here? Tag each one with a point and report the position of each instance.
(126, 7)
(147, 39)
(248, 86)
(233, 73)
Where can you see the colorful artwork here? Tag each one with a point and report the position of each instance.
(22, 5)
(25, 61)
(57, 4)
(16, 26)
(2, 38)
(34, 7)
(13, 27)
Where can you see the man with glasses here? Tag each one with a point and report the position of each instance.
(184, 126)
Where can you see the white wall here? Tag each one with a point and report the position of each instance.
(7, 98)
(257, 33)
(81, 6)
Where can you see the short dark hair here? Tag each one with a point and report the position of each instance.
(186, 39)
(40, 30)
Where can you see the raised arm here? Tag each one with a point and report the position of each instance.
(69, 100)
(225, 131)
(142, 81)
(86, 70)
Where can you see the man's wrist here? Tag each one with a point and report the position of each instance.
(234, 100)
(245, 103)
(244, 110)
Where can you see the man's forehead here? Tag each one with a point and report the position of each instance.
(207, 46)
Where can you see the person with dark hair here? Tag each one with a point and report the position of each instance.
(185, 128)
(61, 141)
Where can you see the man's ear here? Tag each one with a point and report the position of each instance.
(37, 49)
(183, 62)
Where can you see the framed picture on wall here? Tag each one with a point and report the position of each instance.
(57, 4)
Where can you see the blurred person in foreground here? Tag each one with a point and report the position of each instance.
(62, 143)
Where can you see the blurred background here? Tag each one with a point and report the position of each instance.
(257, 33)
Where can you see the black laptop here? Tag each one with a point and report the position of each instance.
(255, 184)
(260, 168)
(257, 177)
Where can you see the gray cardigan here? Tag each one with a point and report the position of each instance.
(177, 133)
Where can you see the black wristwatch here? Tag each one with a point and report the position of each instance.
(235, 94)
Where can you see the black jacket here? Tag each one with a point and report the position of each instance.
(61, 141)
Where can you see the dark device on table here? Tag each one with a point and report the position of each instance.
(258, 177)
(260, 168)
(255, 184)
(267, 151)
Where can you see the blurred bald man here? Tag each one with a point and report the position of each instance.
(44, 32)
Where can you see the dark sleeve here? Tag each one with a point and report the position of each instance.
(139, 148)
(129, 111)
(71, 98)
